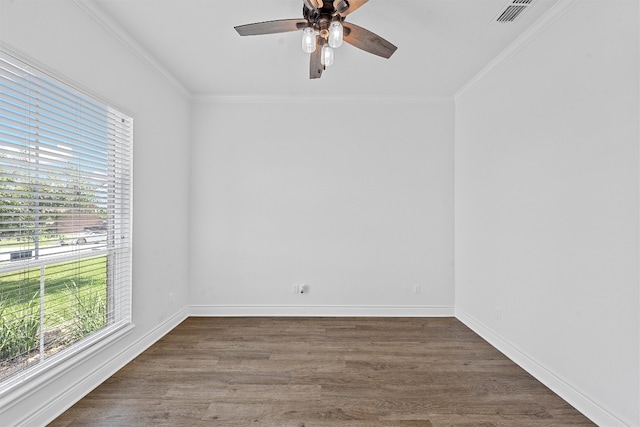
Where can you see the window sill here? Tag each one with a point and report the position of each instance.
(24, 385)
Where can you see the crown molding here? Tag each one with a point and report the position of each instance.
(116, 31)
(536, 29)
(321, 99)
(103, 19)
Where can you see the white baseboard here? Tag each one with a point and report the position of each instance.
(321, 311)
(64, 399)
(579, 400)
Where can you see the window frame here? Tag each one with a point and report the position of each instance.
(119, 248)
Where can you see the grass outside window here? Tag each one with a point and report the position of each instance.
(33, 328)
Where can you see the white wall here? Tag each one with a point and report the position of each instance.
(60, 36)
(546, 203)
(352, 198)
(547, 208)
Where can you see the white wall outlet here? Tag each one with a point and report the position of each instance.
(299, 288)
(416, 289)
(170, 298)
(499, 312)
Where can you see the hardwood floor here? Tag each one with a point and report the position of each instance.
(305, 372)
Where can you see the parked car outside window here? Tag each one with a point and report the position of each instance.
(84, 237)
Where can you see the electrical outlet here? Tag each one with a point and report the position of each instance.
(416, 289)
(499, 313)
(170, 298)
(299, 288)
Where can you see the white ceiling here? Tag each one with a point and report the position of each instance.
(441, 45)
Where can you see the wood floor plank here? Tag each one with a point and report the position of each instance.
(304, 372)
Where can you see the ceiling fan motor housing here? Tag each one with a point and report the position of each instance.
(320, 18)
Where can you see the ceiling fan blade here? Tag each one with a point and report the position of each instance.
(313, 4)
(353, 6)
(315, 64)
(271, 27)
(341, 6)
(367, 41)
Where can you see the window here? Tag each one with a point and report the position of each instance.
(65, 220)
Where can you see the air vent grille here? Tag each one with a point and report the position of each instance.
(513, 10)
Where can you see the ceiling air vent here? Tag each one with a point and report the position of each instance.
(513, 10)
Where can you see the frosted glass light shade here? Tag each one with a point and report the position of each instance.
(336, 34)
(308, 40)
(327, 56)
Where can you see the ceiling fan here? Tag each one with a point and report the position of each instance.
(324, 29)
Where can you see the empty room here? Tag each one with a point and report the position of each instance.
(319, 213)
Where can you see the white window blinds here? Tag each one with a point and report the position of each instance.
(65, 219)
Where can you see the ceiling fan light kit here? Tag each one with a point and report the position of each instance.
(327, 56)
(308, 40)
(336, 34)
(323, 30)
